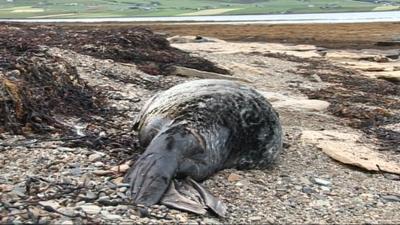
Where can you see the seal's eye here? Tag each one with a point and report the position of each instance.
(249, 117)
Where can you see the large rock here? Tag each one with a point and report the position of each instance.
(308, 105)
(347, 148)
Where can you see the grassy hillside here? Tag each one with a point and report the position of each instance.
(129, 8)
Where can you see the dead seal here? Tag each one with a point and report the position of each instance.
(195, 129)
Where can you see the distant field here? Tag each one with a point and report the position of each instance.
(131, 8)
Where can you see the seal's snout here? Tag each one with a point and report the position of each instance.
(150, 177)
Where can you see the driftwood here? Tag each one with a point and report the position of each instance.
(188, 72)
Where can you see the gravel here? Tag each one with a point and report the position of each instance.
(75, 185)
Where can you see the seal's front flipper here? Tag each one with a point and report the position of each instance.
(188, 195)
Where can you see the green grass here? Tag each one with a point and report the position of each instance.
(126, 8)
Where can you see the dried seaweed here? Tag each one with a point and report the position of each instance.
(35, 86)
(366, 103)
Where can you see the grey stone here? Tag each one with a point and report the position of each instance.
(391, 198)
(106, 215)
(90, 195)
(307, 190)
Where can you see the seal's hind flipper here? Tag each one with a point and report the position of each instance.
(177, 200)
(213, 203)
(150, 177)
(188, 195)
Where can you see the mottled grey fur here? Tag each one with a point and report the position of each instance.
(198, 128)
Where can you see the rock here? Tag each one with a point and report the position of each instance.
(14, 73)
(106, 215)
(255, 218)
(122, 189)
(66, 149)
(315, 78)
(211, 221)
(320, 203)
(118, 181)
(309, 105)
(233, 177)
(321, 182)
(50, 203)
(95, 157)
(19, 191)
(181, 218)
(274, 96)
(70, 211)
(391, 198)
(6, 188)
(98, 164)
(90, 195)
(44, 220)
(389, 76)
(91, 209)
(121, 168)
(307, 190)
(324, 188)
(345, 147)
(67, 222)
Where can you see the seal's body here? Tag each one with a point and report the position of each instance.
(198, 128)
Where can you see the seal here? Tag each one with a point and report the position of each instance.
(195, 129)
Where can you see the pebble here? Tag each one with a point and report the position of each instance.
(19, 191)
(210, 221)
(95, 157)
(123, 189)
(67, 211)
(391, 198)
(181, 218)
(67, 222)
(99, 164)
(50, 203)
(255, 218)
(307, 190)
(315, 78)
(91, 209)
(321, 182)
(44, 220)
(109, 216)
(324, 188)
(233, 177)
(6, 187)
(90, 195)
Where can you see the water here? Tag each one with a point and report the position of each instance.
(390, 16)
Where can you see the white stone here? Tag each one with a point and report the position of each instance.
(109, 216)
(309, 105)
(95, 157)
(91, 209)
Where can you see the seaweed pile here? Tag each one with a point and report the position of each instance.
(34, 86)
(150, 51)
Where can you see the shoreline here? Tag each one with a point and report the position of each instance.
(291, 18)
(338, 35)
